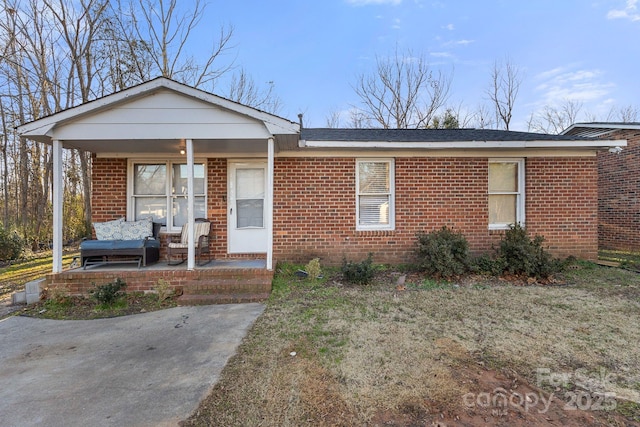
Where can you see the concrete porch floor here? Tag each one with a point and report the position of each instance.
(162, 265)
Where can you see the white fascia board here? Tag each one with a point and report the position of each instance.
(42, 133)
(275, 125)
(464, 144)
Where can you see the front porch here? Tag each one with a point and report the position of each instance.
(173, 153)
(219, 282)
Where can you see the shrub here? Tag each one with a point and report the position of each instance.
(57, 295)
(525, 256)
(488, 265)
(360, 273)
(109, 293)
(164, 290)
(313, 268)
(11, 245)
(442, 253)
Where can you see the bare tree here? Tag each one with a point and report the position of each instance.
(334, 119)
(358, 119)
(79, 25)
(482, 118)
(553, 120)
(28, 92)
(402, 91)
(243, 89)
(55, 54)
(626, 114)
(166, 32)
(503, 91)
(122, 60)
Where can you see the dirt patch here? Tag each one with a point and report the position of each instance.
(82, 308)
(505, 399)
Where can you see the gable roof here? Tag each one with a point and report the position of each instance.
(443, 138)
(41, 129)
(598, 129)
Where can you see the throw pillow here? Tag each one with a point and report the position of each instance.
(136, 230)
(110, 230)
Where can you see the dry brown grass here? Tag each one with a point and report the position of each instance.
(375, 355)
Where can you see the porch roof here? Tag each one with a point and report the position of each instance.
(157, 116)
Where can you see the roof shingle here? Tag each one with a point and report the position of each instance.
(428, 135)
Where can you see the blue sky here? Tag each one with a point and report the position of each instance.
(313, 50)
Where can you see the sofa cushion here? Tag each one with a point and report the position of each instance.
(134, 230)
(110, 230)
(116, 245)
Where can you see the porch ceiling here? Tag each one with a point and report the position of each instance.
(172, 146)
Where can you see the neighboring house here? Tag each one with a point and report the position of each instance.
(278, 192)
(618, 184)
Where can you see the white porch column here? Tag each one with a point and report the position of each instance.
(191, 252)
(58, 191)
(270, 167)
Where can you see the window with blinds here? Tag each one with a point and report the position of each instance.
(506, 193)
(375, 194)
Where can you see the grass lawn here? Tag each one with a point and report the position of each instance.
(480, 351)
(14, 276)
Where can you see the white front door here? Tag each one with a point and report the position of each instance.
(247, 207)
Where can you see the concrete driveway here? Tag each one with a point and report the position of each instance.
(150, 369)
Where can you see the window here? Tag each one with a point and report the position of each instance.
(506, 193)
(157, 188)
(375, 194)
(250, 185)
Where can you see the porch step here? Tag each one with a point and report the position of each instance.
(227, 287)
(213, 284)
(222, 298)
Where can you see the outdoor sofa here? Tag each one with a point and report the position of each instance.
(122, 241)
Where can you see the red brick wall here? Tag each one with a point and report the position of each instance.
(109, 196)
(109, 189)
(314, 207)
(561, 199)
(217, 204)
(618, 193)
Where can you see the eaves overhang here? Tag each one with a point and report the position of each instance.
(453, 145)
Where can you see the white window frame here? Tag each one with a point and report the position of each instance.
(392, 192)
(520, 193)
(169, 227)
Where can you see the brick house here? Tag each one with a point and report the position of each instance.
(618, 184)
(275, 191)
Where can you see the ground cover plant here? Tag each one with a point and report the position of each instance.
(83, 308)
(431, 352)
(108, 300)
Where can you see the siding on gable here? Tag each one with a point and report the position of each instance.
(162, 115)
(619, 193)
